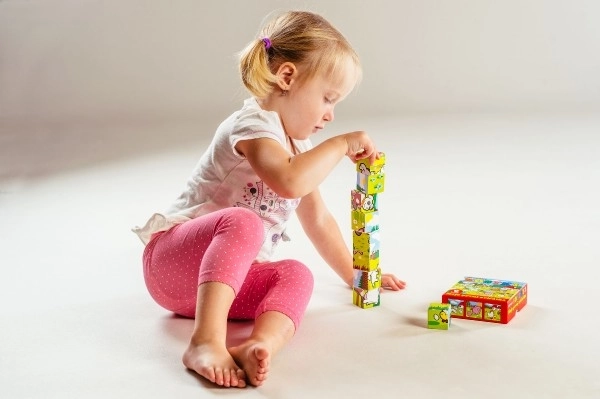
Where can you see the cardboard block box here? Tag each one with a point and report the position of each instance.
(484, 299)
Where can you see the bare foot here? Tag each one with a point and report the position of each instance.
(214, 363)
(255, 359)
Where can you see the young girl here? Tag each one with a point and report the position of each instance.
(209, 255)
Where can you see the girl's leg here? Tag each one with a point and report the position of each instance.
(272, 330)
(275, 295)
(207, 353)
(195, 269)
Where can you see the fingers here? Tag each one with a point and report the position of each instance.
(391, 282)
(374, 156)
(360, 146)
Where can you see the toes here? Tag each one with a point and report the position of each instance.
(259, 378)
(208, 373)
(236, 378)
(261, 354)
(233, 378)
(262, 359)
(219, 380)
(226, 377)
(241, 378)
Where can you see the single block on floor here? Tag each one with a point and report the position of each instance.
(365, 298)
(438, 316)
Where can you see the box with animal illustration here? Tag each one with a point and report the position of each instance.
(485, 299)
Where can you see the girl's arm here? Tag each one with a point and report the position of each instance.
(300, 176)
(296, 176)
(324, 232)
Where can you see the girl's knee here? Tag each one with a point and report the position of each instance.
(298, 272)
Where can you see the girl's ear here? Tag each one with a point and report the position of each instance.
(286, 75)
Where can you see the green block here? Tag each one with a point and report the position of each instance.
(438, 316)
(366, 222)
(370, 178)
(365, 250)
(364, 166)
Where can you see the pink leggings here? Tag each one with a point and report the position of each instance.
(221, 247)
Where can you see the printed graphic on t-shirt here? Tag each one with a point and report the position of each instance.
(273, 210)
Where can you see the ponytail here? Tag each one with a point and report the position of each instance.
(254, 68)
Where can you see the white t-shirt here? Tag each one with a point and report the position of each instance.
(223, 178)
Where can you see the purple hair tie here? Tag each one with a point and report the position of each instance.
(267, 42)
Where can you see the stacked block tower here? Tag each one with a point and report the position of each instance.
(370, 179)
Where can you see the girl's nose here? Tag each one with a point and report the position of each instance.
(328, 117)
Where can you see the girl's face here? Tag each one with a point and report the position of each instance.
(309, 105)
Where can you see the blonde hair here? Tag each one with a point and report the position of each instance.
(303, 38)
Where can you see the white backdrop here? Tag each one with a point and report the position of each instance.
(488, 111)
(91, 60)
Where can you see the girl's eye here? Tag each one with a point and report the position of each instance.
(327, 100)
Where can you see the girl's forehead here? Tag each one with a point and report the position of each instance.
(344, 78)
(340, 77)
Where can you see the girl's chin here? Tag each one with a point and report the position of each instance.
(302, 136)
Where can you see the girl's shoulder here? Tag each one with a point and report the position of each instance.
(252, 114)
(251, 121)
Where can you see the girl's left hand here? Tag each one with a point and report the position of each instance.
(391, 282)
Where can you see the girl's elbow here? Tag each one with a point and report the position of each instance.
(290, 190)
(290, 193)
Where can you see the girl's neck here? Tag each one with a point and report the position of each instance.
(267, 104)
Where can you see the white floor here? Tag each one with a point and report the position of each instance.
(502, 196)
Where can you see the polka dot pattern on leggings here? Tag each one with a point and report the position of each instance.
(222, 246)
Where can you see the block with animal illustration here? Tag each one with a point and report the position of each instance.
(438, 316)
(370, 177)
(366, 298)
(362, 202)
(367, 280)
(484, 299)
(365, 166)
(365, 250)
(366, 222)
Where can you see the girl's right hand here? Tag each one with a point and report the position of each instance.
(360, 146)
